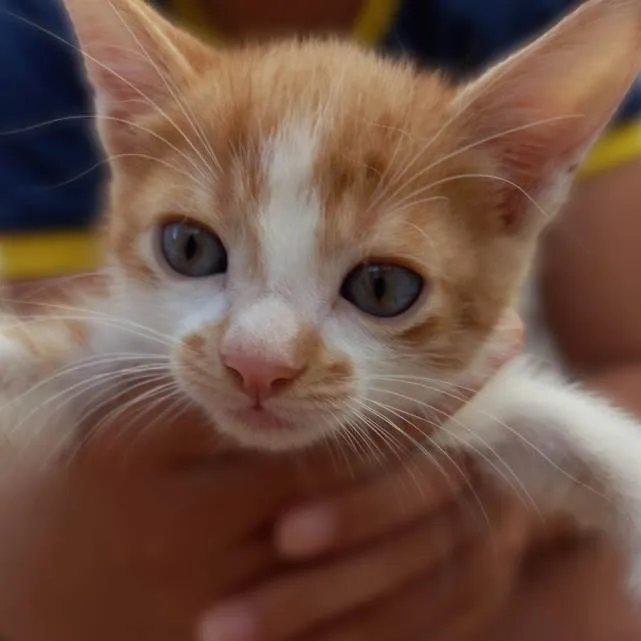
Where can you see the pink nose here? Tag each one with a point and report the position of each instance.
(260, 377)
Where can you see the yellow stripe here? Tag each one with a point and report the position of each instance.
(42, 255)
(374, 21)
(371, 26)
(618, 146)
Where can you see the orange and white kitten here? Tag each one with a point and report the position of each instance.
(309, 239)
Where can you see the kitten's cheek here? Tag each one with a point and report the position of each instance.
(188, 359)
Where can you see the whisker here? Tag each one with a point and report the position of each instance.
(111, 71)
(474, 145)
(404, 415)
(479, 176)
(170, 87)
(63, 398)
(108, 421)
(499, 423)
(109, 159)
(178, 404)
(415, 443)
(373, 447)
(129, 123)
(456, 421)
(96, 315)
(481, 454)
(82, 387)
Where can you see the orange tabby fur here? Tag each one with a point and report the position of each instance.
(404, 167)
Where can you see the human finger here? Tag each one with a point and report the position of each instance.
(373, 508)
(293, 605)
(456, 601)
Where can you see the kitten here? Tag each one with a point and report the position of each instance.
(308, 239)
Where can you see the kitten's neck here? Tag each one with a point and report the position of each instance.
(504, 343)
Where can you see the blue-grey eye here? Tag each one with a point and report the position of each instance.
(382, 289)
(191, 250)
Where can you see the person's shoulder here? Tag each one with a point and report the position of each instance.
(39, 14)
(29, 26)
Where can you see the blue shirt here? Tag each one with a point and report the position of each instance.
(48, 174)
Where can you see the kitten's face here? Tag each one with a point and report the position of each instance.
(313, 275)
(331, 239)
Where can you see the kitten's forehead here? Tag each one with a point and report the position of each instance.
(302, 163)
(289, 216)
(318, 210)
(312, 176)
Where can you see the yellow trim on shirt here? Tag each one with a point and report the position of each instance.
(618, 146)
(42, 254)
(372, 23)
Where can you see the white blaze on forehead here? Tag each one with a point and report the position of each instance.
(290, 214)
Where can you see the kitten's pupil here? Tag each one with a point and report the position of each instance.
(379, 286)
(191, 248)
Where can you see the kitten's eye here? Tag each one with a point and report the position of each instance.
(193, 251)
(382, 289)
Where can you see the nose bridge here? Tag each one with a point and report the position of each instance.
(267, 330)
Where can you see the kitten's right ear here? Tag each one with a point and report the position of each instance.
(136, 61)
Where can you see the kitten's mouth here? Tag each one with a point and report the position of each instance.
(267, 428)
(259, 418)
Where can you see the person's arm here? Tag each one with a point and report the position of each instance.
(571, 593)
(591, 283)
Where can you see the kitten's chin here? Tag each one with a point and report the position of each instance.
(264, 430)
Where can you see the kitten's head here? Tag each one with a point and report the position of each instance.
(333, 238)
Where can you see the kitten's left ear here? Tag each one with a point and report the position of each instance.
(539, 112)
(136, 61)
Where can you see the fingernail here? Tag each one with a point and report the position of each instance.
(228, 623)
(307, 531)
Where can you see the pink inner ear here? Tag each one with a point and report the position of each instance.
(524, 164)
(132, 55)
(531, 157)
(126, 84)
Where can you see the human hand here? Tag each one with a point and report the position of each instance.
(146, 526)
(132, 537)
(572, 590)
(384, 565)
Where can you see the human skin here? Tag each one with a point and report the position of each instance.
(592, 258)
